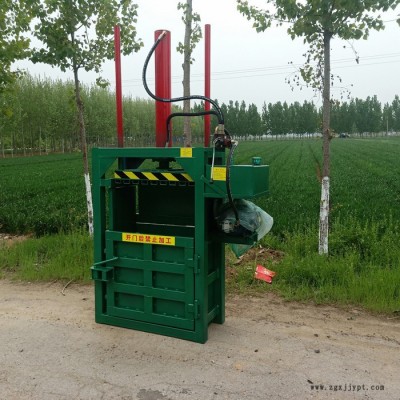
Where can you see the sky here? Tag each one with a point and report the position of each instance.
(251, 66)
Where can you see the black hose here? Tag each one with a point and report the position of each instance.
(175, 99)
(182, 114)
(218, 113)
(228, 181)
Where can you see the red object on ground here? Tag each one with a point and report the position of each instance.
(163, 86)
(264, 274)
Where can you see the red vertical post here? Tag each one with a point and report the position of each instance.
(118, 85)
(162, 86)
(207, 83)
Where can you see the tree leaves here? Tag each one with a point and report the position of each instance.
(15, 17)
(79, 34)
(192, 20)
(312, 19)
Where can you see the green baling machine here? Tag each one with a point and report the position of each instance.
(159, 248)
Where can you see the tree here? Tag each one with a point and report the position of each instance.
(231, 116)
(317, 22)
(374, 114)
(286, 118)
(387, 118)
(276, 118)
(264, 119)
(351, 112)
(254, 121)
(242, 124)
(361, 110)
(310, 117)
(396, 113)
(78, 34)
(15, 17)
(192, 37)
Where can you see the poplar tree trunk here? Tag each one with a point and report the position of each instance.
(326, 137)
(187, 131)
(82, 132)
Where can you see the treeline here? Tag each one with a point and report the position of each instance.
(39, 115)
(354, 117)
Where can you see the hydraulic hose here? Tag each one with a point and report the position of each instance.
(175, 99)
(228, 180)
(182, 114)
(217, 112)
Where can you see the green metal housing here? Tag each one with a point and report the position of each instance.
(159, 260)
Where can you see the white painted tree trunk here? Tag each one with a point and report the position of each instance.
(326, 121)
(89, 203)
(324, 217)
(84, 149)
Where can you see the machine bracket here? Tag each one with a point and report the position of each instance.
(100, 272)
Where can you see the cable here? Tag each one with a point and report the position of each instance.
(175, 99)
(239, 73)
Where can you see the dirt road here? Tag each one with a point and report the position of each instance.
(51, 348)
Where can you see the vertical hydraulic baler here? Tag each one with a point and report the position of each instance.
(159, 248)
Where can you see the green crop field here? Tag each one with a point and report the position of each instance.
(365, 181)
(45, 195)
(42, 194)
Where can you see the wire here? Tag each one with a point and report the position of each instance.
(239, 73)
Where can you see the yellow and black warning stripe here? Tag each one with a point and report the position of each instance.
(176, 177)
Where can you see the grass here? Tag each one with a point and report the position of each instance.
(64, 256)
(362, 269)
(45, 196)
